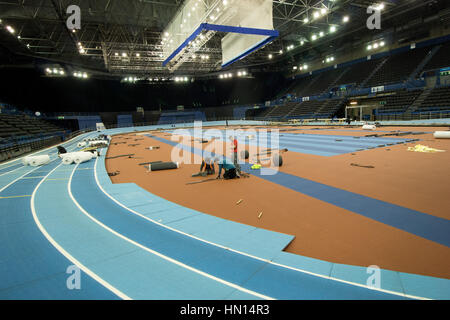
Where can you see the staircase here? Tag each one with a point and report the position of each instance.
(373, 72)
(267, 115)
(336, 81)
(332, 106)
(292, 109)
(324, 104)
(418, 102)
(421, 65)
(314, 80)
(286, 91)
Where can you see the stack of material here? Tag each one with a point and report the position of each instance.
(98, 143)
(92, 150)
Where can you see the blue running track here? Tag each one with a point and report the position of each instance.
(55, 216)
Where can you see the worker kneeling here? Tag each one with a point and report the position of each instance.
(206, 169)
(229, 168)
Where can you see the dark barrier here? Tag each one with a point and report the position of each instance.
(11, 152)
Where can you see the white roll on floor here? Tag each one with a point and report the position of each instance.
(81, 157)
(369, 127)
(39, 160)
(442, 135)
(26, 161)
(67, 159)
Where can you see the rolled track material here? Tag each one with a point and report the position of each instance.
(163, 166)
(245, 154)
(369, 127)
(82, 157)
(69, 158)
(39, 160)
(26, 161)
(277, 160)
(442, 135)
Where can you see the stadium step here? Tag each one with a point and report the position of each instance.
(378, 67)
(336, 81)
(424, 62)
(418, 102)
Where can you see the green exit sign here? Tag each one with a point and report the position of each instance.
(61, 118)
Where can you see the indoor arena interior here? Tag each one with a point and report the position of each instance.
(209, 150)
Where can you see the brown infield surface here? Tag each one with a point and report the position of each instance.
(418, 181)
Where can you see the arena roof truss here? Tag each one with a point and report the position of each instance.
(120, 38)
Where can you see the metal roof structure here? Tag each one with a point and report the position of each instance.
(123, 37)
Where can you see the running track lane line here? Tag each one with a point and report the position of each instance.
(19, 288)
(28, 172)
(424, 225)
(12, 182)
(15, 180)
(249, 255)
(68, 143)
(2, 173)
(64, 252)
(207, 275)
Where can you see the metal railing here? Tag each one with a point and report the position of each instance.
(12, 152)
(430, 115)
(23, 147)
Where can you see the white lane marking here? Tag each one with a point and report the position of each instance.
(227, 283)
(21, 167)
(11, 170)
(64, 252)
(15, 180)
(28, 172)
(252, 256)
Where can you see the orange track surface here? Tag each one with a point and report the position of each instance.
(415, 180)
